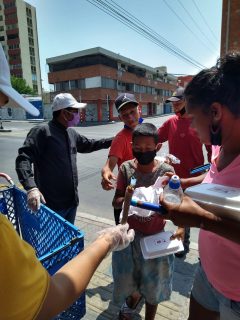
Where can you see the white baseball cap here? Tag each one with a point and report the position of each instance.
(15, 98)
(66, 100)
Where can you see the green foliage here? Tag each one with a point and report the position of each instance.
(21, 86)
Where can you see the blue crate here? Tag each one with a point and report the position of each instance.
(55, 240)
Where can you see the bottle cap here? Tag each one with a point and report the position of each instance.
(174, 182)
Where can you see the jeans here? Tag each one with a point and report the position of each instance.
(68, 214)
(206, 295)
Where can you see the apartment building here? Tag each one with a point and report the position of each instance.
(97, 76)
(19, 38)
(230, 35)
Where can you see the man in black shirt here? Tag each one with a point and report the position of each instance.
(52, 150)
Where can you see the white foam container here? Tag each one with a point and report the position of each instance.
(221, 200)
(159, 245)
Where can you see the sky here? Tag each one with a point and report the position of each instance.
(193, 26)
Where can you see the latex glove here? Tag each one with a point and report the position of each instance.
(119, 237)
(34, 198)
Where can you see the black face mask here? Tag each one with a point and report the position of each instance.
(216, 136)
(145, 158)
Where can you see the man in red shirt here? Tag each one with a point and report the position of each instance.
(121, 147)
(183, 143)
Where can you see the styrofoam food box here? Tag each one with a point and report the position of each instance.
(159, 245)
(221, 200)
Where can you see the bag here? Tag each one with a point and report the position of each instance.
(146, 221)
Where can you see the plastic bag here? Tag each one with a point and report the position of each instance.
(150, 194)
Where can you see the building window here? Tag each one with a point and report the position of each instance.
(1, 18)
(31, 51)
(2, 38)
(31, 41)
(81, 84)
(65, 85)
(57, 86)
(73, 84)
(12, 36)
(108, 83)
(32, 59)
(29, 12)
(129, 87)
(13, 46)
(9, 5)
(1, 28)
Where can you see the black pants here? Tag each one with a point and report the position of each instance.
(117, 215)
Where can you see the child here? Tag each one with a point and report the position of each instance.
(133, 276)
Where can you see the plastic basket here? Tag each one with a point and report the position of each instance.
(55, 240)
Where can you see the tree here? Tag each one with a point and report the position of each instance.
(21, 86)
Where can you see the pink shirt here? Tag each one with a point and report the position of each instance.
(220, 257)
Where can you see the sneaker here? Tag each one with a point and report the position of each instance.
(126, 313)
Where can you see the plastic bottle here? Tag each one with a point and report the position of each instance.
(173, 192)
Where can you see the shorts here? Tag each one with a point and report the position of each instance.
(208, 297)
(152, 278)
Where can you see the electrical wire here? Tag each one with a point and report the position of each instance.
(200, 13)
(189, 29)
(135, 24)
(196, 24)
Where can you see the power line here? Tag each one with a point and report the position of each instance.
(144, 27)
(204, 20)
(195, 23)
(124, 17)
(195, 35)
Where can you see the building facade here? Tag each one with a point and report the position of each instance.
(230, 35)
(19, 38)
(97, 76)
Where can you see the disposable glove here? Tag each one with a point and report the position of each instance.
(119, 237)
(34, 198)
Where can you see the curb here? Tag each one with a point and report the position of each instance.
(88, 216)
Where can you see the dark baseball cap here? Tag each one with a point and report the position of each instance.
(123, 99)
(177, 95)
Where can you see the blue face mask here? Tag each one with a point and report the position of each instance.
(75, 120)
(140, 120)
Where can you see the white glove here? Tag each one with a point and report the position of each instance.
(119, 237)
(34, 198)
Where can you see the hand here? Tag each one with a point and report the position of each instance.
(34, 198)
(179, 234)
(107, 176)
(119, 237)
(188, 213)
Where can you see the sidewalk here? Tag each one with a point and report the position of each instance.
(99, 292)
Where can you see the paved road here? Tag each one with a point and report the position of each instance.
(93, 199)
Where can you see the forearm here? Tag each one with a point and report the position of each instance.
(189, 182)
(223, 227)
(72, 279)
(110, 164)
(24, 172)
